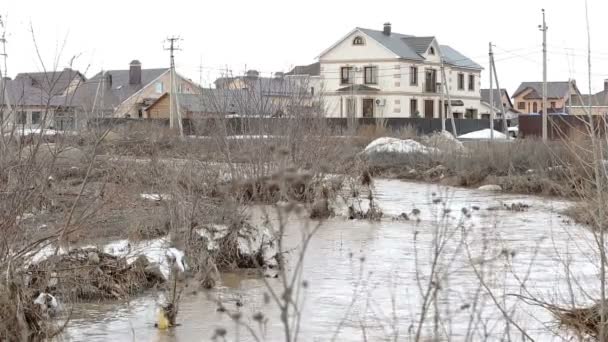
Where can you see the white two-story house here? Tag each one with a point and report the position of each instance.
(383, 74)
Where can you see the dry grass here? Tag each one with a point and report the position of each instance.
(523, 166)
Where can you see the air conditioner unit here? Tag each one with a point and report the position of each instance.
(380, 102)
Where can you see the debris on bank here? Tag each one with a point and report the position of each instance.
(89, 274)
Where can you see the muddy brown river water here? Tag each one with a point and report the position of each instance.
(379, 298)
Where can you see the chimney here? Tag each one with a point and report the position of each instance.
(135, 72)
(605, 85)
(387, 29)
(252, 74)
(107, 80)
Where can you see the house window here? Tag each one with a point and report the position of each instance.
(470, 113)
(397, 67)
(397, 110)
(312, 91)
(36, 118)
(521, 105)
(432, 51)
(552, 104)
(460, 81)
(414, 75)
(346, 75)
(397, 84)
(431, 81)
(371, 75)
(159, 87)
(397, 102)
(414, 108)
(534, 107)
(472, 82)
(358, 41)
(22, 118)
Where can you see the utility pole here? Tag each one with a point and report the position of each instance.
(544, 29)
(502, 105)
(3, 93)
(175, 119)
(447, 92)
(442, 107)
(491, 54)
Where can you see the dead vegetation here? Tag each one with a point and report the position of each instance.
(88, 274)
(522, 166)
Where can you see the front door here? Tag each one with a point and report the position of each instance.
(368, 108)
(429, 109)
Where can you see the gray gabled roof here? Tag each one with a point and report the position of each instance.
(455, 58)
(221, 101)
(313, 69)
(555, 90)
(52, 82)
(419, 44)
(598, 100)
(485, 97)
(412, 48)
(108, 97)
(20, 92)
(394, 43)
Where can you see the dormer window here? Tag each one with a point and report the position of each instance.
(358, 41)
(432, 51)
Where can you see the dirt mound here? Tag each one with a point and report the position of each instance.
(89, 274)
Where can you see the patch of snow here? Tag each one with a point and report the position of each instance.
(154, 250)
(176, 259)
(47, 300)
(155, 197)
(483, 135)
(394, 145)
(490, 187)
(45, 253)
(443, 141)
(25, 216)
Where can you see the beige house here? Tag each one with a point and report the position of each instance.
(39, 99)
(528, 98)
(126, 93)
(207, 103)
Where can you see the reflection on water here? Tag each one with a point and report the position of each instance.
(539, 243)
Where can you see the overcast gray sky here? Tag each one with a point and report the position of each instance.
(273, 35)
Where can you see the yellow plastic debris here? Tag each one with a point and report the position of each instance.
(161, 320)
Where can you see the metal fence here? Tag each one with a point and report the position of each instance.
(559, 126)
(339, 126)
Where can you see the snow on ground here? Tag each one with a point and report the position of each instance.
(155, 197)
(394, 145)
(482, 135)
(155, 250)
